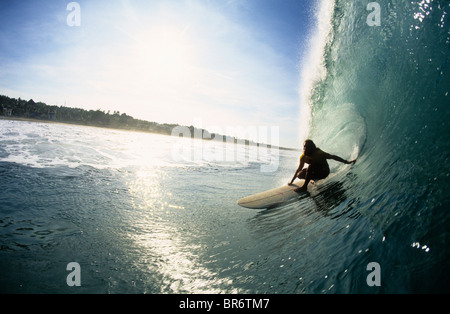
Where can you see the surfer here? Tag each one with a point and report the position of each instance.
(318, 168)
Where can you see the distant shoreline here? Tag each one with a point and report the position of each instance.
(24, 119)
(31, 111)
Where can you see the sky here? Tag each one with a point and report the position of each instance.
(213, 64)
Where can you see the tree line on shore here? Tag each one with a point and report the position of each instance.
(30, 109)
(40, 111)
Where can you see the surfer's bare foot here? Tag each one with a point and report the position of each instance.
(302, 189)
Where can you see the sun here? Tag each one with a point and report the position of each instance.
(160, 70)
(165, 53)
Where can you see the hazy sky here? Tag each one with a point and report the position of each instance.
(218, 62)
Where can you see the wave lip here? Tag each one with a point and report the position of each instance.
(313, 64)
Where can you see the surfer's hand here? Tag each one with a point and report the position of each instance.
(351, 162)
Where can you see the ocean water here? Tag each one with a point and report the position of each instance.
(138, 219)
(122, 205)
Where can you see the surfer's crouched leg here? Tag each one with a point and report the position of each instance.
(311, 174)
(302, 174)
(314, 174)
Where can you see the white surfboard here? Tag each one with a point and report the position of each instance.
(272, 197)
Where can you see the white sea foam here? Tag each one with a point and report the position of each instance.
(48, 145)
(313, 67)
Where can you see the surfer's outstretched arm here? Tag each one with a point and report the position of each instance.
(337, 158)
(295, 175)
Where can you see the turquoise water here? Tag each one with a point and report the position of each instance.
(135, 219)
(386, 95)
(138, 220)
